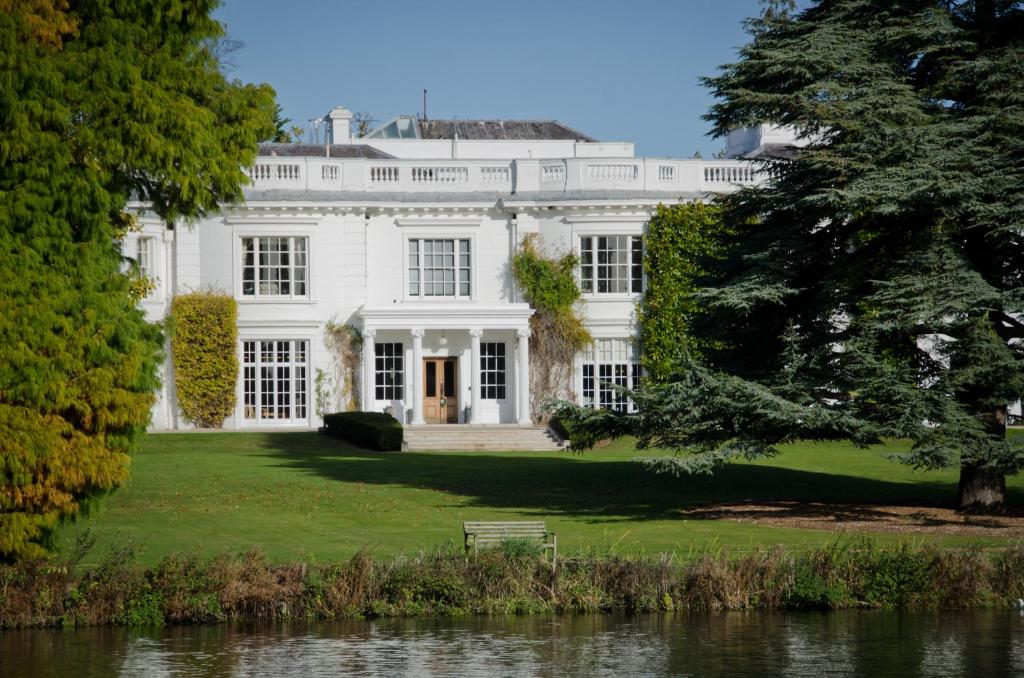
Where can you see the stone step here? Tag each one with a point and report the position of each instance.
(484, 438)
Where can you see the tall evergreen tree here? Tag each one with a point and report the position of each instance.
(874, 286)
(100, 102)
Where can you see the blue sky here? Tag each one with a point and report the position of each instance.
(618, 71)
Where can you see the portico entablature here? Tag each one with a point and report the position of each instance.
(429, 316)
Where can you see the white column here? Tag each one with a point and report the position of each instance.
(474, 403)
(417, 376)
(368, 369)
(523, 376)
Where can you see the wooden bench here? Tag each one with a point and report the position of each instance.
(478, 534)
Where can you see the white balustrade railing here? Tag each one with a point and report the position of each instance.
(552, 173)
(613, 172)
(440, 175)
(514, 176)
(383, 174)
(742, 173)
(495, 175)
(286, 173)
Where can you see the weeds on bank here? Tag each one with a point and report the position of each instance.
(510, 579)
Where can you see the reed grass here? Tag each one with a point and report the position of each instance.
(184, 589)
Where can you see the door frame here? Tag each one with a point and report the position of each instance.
(451, 406)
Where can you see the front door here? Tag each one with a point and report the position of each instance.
(440, 384)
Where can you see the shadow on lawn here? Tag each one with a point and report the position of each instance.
(586, 485)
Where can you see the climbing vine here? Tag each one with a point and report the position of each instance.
(558, 334)
(680, 241)
(337, 387)
(203, 347)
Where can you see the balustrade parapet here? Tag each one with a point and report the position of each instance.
(501, 176)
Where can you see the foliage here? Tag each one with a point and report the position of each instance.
(101, 102)
(203, 346)
(372, 430)
(679, 241)
(282, 132)
(246, 587)
(364, 122)
(337, 388)
(557, 331)
(870, 287)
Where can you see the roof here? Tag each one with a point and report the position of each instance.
(518, 130)
(318, 151)
(773, 151)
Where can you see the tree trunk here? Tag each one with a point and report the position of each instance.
(982, 490)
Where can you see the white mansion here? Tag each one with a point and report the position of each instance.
(408, 234)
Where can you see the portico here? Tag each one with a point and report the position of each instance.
(447, 363)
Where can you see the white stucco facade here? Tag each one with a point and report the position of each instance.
(414, 251)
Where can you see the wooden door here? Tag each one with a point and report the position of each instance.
(440, 386)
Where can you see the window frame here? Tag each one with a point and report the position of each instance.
(144, 250)
(298, 392)
(493, 378)
(239, 266)
(397, 372)
(634, 246)
(420, 238)
(602, 365)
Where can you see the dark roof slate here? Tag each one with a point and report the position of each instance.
(317, 151)
(518, 130)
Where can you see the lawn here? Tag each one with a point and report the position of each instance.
(300, 495)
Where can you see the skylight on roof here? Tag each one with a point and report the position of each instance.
(401, 127)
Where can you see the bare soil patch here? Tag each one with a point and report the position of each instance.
(864, 518)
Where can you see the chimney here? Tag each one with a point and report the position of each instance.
(339, 126)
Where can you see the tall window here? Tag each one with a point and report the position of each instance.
(274, 266)
(439, 268)
(144, 256)
(611, 264)
(274, 380)
(492, 370)
(388, 370)
(608, 364)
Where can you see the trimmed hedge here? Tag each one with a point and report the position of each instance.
(372, 430)
(203, 347)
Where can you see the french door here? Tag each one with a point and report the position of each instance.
(274, 379)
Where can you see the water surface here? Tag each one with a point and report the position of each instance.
(987, 643)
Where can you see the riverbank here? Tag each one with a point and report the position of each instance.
(304, 497)
(509, 580)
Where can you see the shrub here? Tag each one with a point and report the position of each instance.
(372, 430)
(205, 362)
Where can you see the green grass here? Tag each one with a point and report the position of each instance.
(300, 495)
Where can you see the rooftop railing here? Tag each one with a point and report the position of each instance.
(502, 176)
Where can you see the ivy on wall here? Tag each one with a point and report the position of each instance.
(680, 241)
(204, 344)
(337, 387)
(549, 285)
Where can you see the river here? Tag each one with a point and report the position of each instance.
(986, 643)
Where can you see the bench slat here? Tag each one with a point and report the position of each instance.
(484, 525)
